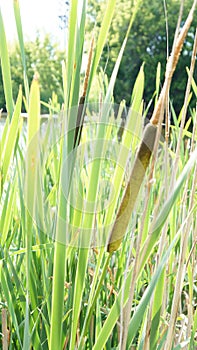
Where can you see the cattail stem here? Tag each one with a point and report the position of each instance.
(171, 66)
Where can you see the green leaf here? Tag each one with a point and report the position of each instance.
(21, 44)
(5, 65)
(32, 161)
(102, 36)
(7, 212)
(11, 137)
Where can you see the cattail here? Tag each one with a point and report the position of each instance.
(146, 146)
(80, 114)
(137, 175)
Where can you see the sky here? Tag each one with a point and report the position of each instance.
(36, 15)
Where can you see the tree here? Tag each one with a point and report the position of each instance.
(44, 57)
(64, 13)
(147, 43)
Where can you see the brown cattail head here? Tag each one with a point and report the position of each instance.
(85, 86)
(182, 36)
(137, 175)
(80, 114)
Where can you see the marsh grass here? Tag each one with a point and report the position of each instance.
(60, 288)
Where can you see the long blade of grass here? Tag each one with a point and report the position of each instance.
(80, 36)
(106, 22)
(156, 311)
(59, 257)
(7, 213)
(21, 44)
(10, 142)
(74, 59)
(71, 60)
(5, 64)
(30, 190)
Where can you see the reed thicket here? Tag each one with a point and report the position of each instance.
(98, 232)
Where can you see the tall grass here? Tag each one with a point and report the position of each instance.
(67, 282)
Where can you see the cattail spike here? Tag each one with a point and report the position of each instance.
(88, 67)
(80, 115)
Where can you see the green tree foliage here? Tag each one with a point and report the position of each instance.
(149, 42)
(44, 57)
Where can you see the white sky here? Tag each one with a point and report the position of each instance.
(36, 15)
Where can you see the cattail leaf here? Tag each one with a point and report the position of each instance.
(11, 137)
(103, 35)
(32, 158)
(5, 66)
(21, 44)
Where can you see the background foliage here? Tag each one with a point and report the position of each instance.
(148, 42)
(43, 56)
